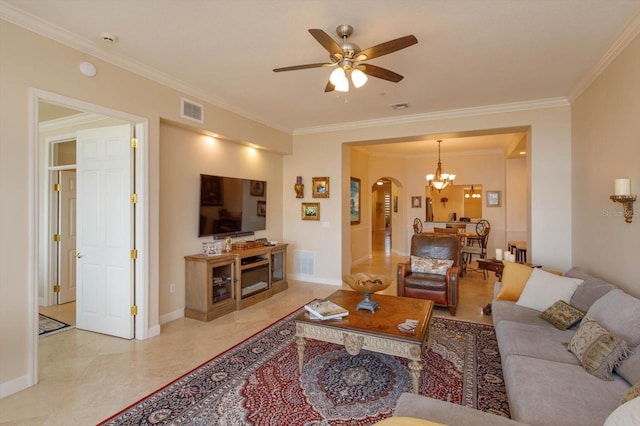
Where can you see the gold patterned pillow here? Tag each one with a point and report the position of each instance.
(562, 315)
(430, 266)
(598, 350)
(633, 392)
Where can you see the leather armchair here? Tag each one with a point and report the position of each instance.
(442, 289)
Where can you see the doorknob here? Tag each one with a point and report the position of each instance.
(79, 255)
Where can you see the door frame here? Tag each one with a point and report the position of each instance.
(38, 240)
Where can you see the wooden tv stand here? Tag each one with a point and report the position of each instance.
(218, 285)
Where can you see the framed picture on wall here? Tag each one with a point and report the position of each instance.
(320, 187)
(354, 200)
(310, 211)
(416, 202)
(494, 198)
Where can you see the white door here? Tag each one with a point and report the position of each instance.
(67, 248)
(105, 286)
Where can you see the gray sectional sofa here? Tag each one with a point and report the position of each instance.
(546, 383)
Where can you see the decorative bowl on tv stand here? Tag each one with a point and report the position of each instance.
(367, 284)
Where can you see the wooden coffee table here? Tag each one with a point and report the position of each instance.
(377, 332)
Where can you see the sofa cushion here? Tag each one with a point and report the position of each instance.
(514, 277)
(598, 350)
(430, 266)
(508, 311)
(619, 313)
(589, 291)
(629, 369)
(548, 393)
(423, 407)
(562, 315)
(543, 289)
(628, 414)
(633, 392)
(536, 341)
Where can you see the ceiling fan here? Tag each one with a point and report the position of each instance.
(349, 59)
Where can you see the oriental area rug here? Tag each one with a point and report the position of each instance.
(257, 382)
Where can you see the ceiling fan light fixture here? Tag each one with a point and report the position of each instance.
(358, 78)
(343, 85)
(337, 76)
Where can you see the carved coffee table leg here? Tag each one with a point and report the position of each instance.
(416, 368)
(301, 342)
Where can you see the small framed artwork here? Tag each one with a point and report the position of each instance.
(211, 190)
(354, 201)
(262, 208)
(320, 187)
(416, 202)
(494, 198)
(310, 211)
(257, 188)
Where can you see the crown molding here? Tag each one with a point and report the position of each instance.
(625, 37)
(56, 33)
(70, 121)
(440, 115)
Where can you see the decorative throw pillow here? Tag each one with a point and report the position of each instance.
(598, 350)
(633, 392)
(430, 266)
(562, 315)
(618, 312)
(627, 414)
(629, 369)
(514, 277)
(543, 289)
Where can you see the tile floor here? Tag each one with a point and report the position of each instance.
(86, 377)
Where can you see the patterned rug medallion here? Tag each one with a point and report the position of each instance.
(257, 381)
(48, 325)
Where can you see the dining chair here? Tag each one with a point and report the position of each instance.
(467, 252)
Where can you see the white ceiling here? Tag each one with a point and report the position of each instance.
(470, 53)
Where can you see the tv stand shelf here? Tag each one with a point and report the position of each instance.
(218, 285)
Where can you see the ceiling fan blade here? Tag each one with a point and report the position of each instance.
(330, 87)
(302, 67)
(380, 72)
(326, 41)
(387, 47)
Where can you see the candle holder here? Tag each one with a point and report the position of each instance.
(627, 203)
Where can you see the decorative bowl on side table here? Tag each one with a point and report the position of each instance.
(367, 284)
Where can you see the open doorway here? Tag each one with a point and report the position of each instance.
(59, 121)
(381, 223)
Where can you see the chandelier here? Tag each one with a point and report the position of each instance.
(440, 180)
(472, 193)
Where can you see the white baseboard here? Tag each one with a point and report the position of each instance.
(13, 386)
(171, 316)
(153, 331)
(313, 279)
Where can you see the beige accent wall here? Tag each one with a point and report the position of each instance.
(28, 60)
(184, 155)
(515, 198)
(606, 146)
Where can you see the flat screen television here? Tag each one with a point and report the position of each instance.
(231, 206)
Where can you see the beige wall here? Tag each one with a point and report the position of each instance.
(184, 155)
(361, 233)
(29, 61)
(606, 146)
(517, 188)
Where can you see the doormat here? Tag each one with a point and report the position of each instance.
(48, 325)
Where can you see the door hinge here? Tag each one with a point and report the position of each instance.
(134, 254)
(134, 198)
(56, 237)
(134, 310)
(134, 142)
(56, 289)
(56, 187)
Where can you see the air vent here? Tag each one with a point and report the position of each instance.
(304, 262)
(400, 105)
(192, 110)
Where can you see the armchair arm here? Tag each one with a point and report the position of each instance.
(404, 269)
(452, 285)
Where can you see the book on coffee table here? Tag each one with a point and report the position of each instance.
(325, 310)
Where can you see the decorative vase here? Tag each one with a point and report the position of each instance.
(299, 187)
(367, 284)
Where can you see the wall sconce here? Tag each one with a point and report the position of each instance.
(299, 187)
(623, 195)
